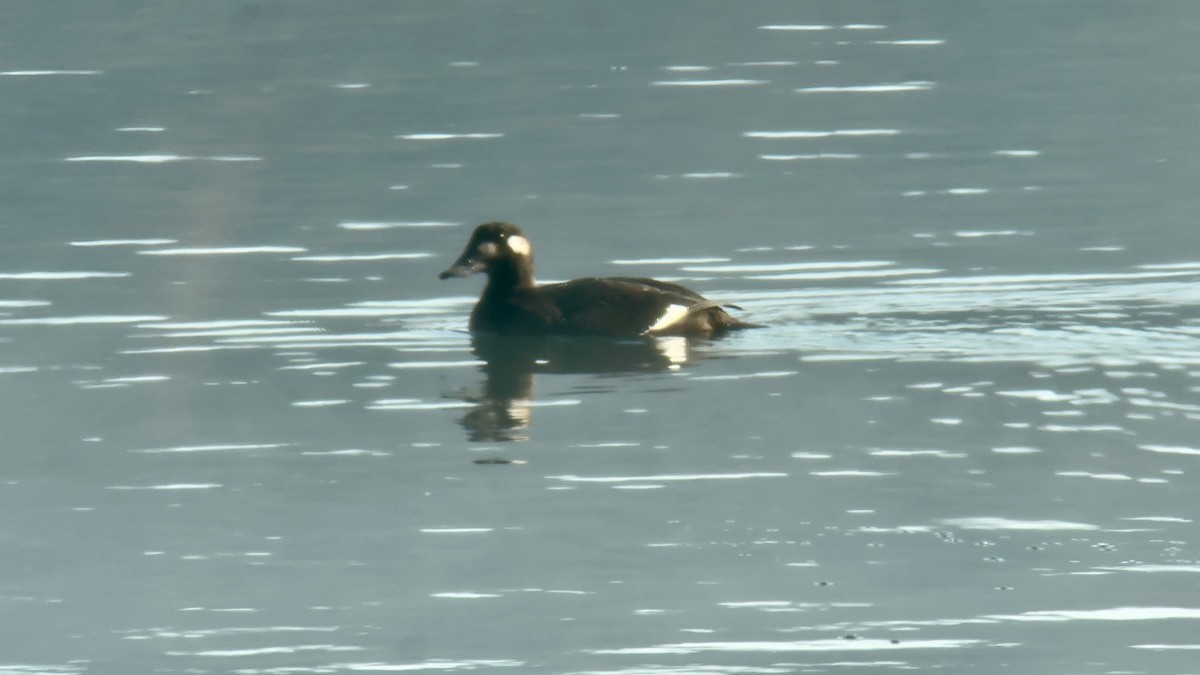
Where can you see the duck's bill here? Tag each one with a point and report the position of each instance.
(463, 267)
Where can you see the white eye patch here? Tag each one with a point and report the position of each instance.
(519, 245)
(487, 249)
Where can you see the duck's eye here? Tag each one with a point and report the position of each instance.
(487, 249)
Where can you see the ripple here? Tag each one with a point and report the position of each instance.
(159, 159)
(975, 234)
(1160, 519)
(362, 257)
(133, 379)
(1160, 648)
(773, 64)
(1015, 450)
(857, 274)
(40, 669)
(712, 174)
(260, 651)
(850, 473)
(469, 363)
(1161, 266)
(912, 85)
(1112, 614)
(757, 604)
(1076, 397)
(288, 331)
(927, 42)
(61, 276)
(942, 454)
(733, 82)
(324, 365)
(809, 27)
(1070, 428)
(880, 324)
(374, 308)
(152, 633)
(1153, 569)
(1171, 450)
(798, 27)
(1096, 476)
(820, 134)
(810, 156)
(17, 304)
(744, 376)
(37, 73)
(211, 448)
(417, 404)
(784, 267)
(181, 350)
(994, 523)
(1044, 278)
(1043, 293)
(224, 250)
(124, 242)
(406, 339)
(445, 137)
(666, 477)
(685, 648)
(390, 225)
(167, 486)
(435, 664)
(215, 324)
(665, 261)
(80, 320)
(348, 452)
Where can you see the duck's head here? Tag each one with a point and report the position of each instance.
(494, 247)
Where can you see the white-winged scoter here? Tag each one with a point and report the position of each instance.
(514, 303)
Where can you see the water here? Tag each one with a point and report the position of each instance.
(247, 431)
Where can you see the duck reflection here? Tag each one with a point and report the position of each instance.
(504, 405)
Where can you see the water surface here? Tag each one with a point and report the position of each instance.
(248, 432)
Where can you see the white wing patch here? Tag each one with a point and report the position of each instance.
(519, 245)
(673, 315)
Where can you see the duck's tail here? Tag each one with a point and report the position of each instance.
(723, 322)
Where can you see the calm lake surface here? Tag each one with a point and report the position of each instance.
(246, 430)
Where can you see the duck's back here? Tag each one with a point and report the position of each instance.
(613, 306)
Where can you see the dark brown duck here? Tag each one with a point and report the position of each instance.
(514, 303)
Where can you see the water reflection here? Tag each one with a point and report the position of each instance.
(503, 405)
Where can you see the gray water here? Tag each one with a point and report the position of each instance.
(246, 430)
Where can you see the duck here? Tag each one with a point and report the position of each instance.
(513, 303)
